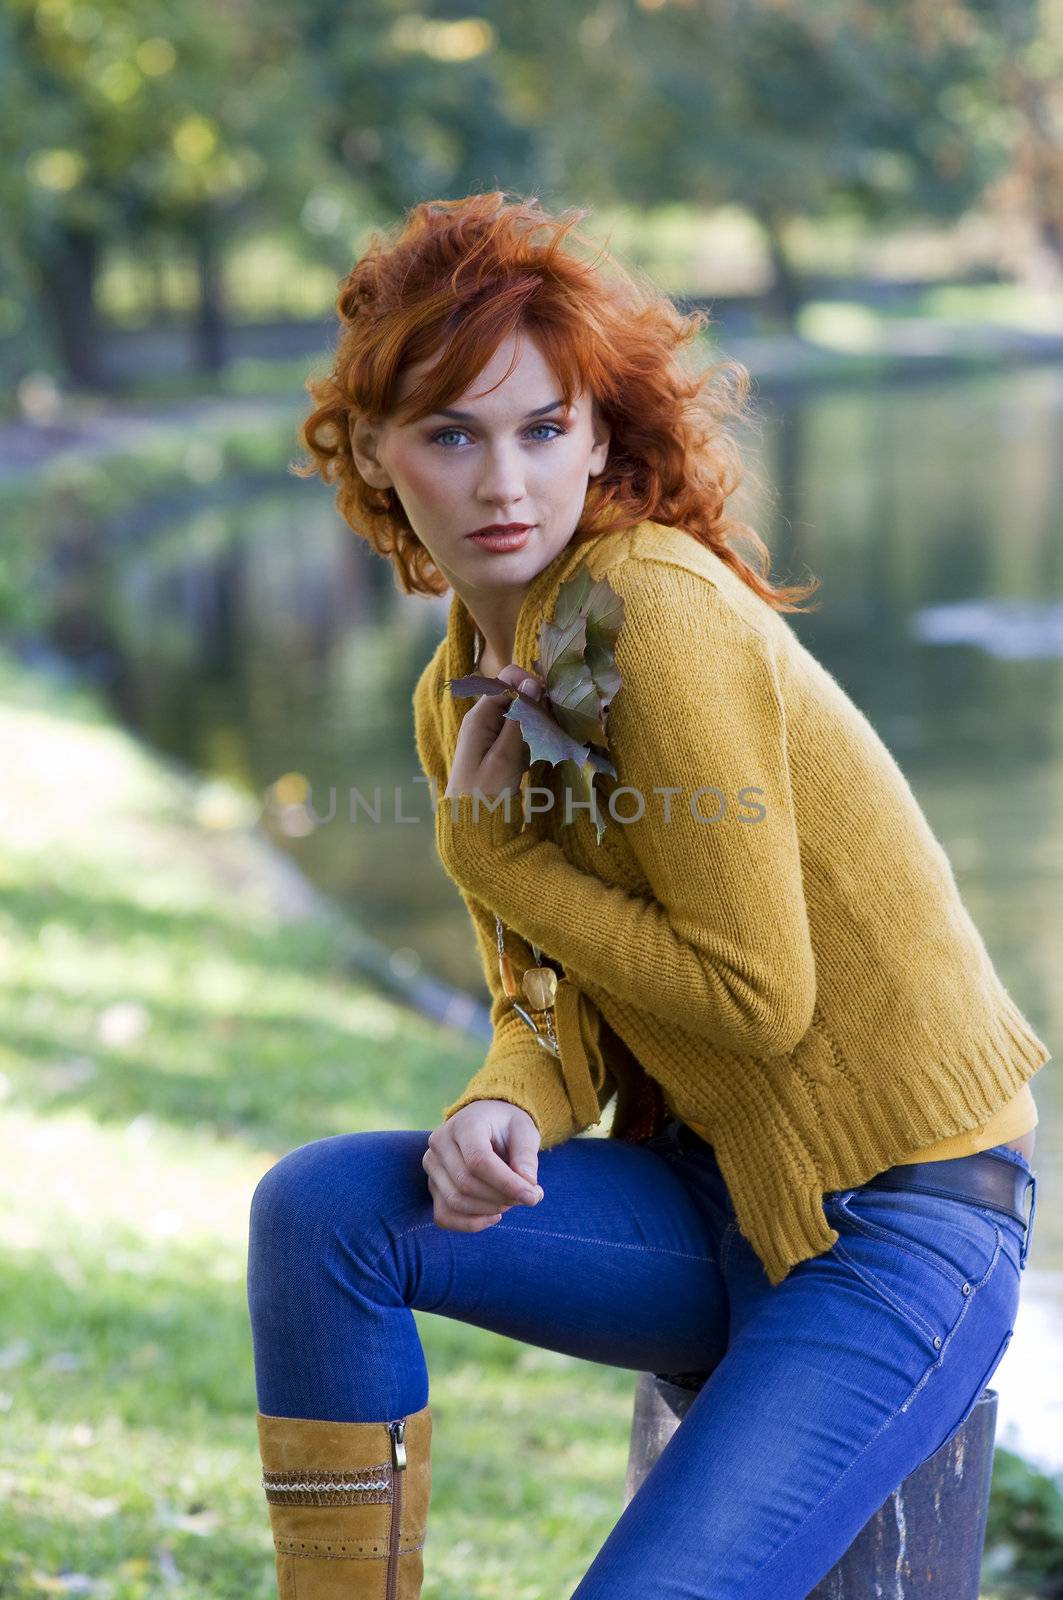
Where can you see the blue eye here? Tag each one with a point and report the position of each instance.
(437, 438)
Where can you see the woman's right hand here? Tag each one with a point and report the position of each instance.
(474, 1161)
(489, 756)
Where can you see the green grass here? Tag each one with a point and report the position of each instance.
(166, 1036)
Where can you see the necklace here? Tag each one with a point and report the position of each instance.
(538, 984)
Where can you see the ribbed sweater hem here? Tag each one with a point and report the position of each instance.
(780, 1210)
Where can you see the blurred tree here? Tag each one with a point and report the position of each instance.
(791, 108)
(787, 107)
(1026, 70)
(412, 105)
(181, 128)
(126, 121)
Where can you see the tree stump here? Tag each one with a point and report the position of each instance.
(942, 1506)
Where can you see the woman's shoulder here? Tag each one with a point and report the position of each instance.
(670, 581)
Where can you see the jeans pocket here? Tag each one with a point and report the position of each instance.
(925, 1254)
(983, 1380)
(957, 1237)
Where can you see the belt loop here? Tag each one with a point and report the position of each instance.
(1031, 1189)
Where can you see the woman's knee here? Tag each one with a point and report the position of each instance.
(337, 1184)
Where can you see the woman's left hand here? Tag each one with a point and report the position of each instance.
(490, 754)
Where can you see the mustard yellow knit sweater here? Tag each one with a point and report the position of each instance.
(775, 934)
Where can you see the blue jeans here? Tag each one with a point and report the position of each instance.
(825, 1390)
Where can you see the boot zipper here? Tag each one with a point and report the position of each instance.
(397, 1431)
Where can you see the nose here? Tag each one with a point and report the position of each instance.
(502, 480)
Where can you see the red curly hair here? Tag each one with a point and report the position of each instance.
(459, 276)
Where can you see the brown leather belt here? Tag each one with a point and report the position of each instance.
(983, 1178)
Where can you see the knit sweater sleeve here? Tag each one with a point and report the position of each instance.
(721, 941)
(515, 1068)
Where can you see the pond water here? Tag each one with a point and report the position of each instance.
(257, 639)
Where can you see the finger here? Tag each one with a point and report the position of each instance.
(502, 765)
(490, 717)
(447, 1204)
(516, 677)
(448, 1172)
(482, 725)
(521, 679)
(444, 1157)
(509, 741)
(485, 726)
(523, 1149)
(483, 1162)
(477, 738)
(447, 1219)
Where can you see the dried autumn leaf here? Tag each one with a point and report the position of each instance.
(576, 703)
(578, 778)
(571, 596)
(605, 615)
(600, 762)
(603, 670)
(475, 683)
(562, 645)
(545, 738)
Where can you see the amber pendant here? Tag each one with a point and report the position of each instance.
(540, 987)
(510, 986)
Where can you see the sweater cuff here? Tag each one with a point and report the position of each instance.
(537, 1086)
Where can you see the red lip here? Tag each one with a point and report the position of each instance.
(501, 527)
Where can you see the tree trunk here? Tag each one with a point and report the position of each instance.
(67, 268)
(209, 326)
(786, 296)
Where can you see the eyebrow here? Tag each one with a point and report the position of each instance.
(469, 416)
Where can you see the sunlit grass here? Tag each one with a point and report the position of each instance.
(1006, 304)
(858, 327)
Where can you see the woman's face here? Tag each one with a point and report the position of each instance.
(512, 456)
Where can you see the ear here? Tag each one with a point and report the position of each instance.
(602, 435)
(365, 439)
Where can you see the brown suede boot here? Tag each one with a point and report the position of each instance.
(348, 1503)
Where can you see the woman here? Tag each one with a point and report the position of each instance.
(814, 1184)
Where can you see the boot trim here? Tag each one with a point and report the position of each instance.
(342, 1549)
(338, 1487)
